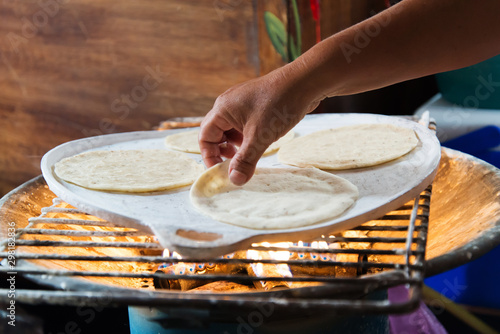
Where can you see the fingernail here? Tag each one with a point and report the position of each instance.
(237, 178)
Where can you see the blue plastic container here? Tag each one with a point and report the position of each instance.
(474, 283)
(476, 86)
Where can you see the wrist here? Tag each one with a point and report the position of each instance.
(299, 82)
(320, 72)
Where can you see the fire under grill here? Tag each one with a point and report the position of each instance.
(80, 260)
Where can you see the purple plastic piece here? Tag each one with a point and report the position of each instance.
(422, 320)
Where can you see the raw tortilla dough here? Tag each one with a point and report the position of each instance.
(275, 198)
(184, 141)
(188, 142)
(347, 147)
(129, 170)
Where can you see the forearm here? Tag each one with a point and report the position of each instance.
(412, 39)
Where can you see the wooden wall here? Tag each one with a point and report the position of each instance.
(72, 69)
(89, 67)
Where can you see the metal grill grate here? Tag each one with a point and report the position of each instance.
(58, 248)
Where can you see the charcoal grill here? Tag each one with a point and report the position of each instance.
(38, 246)
(95, 262)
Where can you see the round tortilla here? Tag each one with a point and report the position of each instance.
(348, 147)
(275, 198)
(129, 170)
(187, 141)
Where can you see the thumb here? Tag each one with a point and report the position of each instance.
(242, 166)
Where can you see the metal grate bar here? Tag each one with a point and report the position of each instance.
(410, 238)
(208, 277)
(312, 263)
(52, 243)
(401, 228)
(82, 233)
(397, 251)
(66, 221)
(55, 209)
(396, 217)
(160, 259)
(422, 241)
(110, 299)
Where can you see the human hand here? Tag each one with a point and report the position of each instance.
(253, 115)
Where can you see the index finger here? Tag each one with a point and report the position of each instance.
(211, 135)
